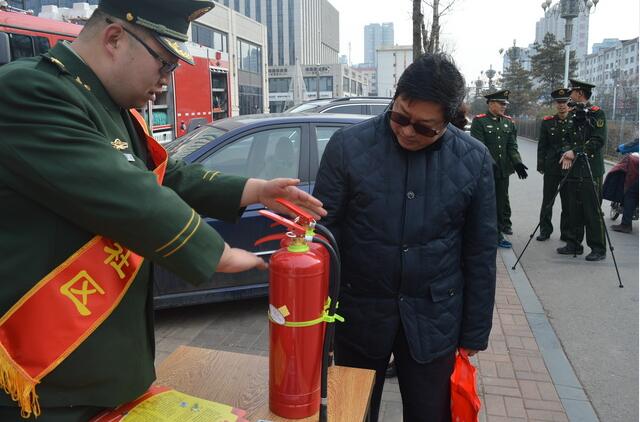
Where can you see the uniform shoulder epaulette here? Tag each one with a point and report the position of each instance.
(479, 116)
(547, 118)
(595, 108)
(56, 63)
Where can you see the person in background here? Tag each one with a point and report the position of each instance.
(410, 199)
(498, 132)
(553, 129)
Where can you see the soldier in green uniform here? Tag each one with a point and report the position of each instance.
(73, 166)
(588, 136)
(498, 132)
(552, 132)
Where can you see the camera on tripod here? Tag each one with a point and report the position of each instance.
(580, 112)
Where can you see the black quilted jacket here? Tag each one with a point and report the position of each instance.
(417, 236)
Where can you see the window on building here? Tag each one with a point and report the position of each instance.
(209, 37)
(269, 25)
(354, 88)
(249, 56)
(280, 17)
(259, 11)
(345, 84)
(279, 84)
(292, 48)
(250, 99)
(236, 5)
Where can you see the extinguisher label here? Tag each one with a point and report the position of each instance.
(278, 314)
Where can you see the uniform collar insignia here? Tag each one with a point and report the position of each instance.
(119, 145)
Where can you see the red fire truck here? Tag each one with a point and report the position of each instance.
(196, 94)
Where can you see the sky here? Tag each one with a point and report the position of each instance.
(474, 31)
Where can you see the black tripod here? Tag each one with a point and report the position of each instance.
(583, 156)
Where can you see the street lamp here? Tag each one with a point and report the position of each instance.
(569, 10)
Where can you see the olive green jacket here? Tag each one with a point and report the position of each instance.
(499, 134)
(589, 135)
(62, 182)
(553, 130)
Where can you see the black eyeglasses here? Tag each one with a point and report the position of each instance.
(403, 120)
(166, 68)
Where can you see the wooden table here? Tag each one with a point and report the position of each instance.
(242, 381)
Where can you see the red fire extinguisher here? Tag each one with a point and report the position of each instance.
(299, 308)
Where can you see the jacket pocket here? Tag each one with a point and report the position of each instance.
(447, 288)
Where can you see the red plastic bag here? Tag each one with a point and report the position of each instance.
(465, 403)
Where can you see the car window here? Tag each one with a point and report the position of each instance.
(20, 46)
(185, 145)
(345, 109)
(265, 154)
(323, 134)
(377, 108)
(41, 44)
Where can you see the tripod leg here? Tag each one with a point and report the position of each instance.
(601, 214)
(560, 185)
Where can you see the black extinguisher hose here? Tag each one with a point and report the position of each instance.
(334, 287)
(327, 233)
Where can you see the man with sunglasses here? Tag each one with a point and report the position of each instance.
(498, 132)
(410, 200)
(553, 129)
(89, 200)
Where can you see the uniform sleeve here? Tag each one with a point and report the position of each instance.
(479, 261)
(477, 130)
(512, 146)
(209, 192)
(543, 144)
(52, 152)
(598, 137)
(332, 184)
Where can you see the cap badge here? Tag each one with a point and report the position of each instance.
(129, 17)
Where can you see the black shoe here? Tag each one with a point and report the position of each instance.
(622, 228)
(567, 250)
(542, 237)
(595, 256)
(391, 371)
(507, 230)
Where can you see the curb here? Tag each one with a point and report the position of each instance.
(571, 393)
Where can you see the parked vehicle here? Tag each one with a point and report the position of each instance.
(371, 106)
(264, 146)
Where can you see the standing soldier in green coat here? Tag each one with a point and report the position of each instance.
(498, 132)
(585, 140)
(553, 129)
(89, 200)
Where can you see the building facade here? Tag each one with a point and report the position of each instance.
(613, 69)
(392, 61)
(376, 35)
(554, 24)
(522, 54)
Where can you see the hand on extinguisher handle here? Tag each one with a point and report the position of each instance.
(234, 260)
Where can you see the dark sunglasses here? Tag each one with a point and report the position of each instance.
(403, 120)
(166, 68)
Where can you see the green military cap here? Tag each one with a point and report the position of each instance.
(168, 19)
(500, 96)
(585, 86)
(561, 94)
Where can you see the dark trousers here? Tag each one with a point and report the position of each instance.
(550, 187)
(585, 214)
(425, 387)
(506, 222)
(630, 204)
(502, 196)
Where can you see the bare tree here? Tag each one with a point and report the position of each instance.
(423, 39)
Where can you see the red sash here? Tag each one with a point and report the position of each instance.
(53, 318)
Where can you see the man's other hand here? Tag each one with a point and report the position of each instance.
(234, 260)
(521, 169)
(567, 160)
(286, 189)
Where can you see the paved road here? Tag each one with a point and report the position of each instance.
(596, 321)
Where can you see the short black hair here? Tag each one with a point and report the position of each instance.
(433, 77)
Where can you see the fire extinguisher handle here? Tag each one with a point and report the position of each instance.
(294, 227)
(296, 210)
